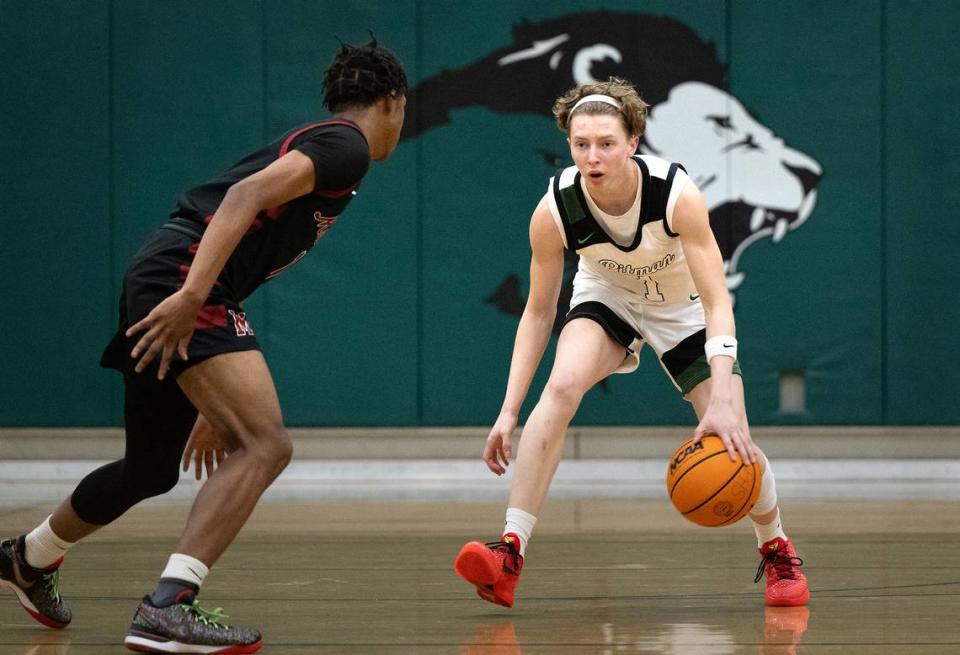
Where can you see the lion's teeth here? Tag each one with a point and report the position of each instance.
(780, 230)
(806, 207)
(756, 218)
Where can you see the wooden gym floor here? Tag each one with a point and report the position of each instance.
(603, 577)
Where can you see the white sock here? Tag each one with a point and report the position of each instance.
(767, 532)
(186, 568)
(521, 524)
(44, 547)
(767, 502)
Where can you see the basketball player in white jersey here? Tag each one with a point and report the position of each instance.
(650, 272)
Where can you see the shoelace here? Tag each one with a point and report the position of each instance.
(512, 550)
(208, 617)
(51, 583)
(782, 565)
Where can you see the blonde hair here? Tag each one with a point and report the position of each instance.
(632, 110)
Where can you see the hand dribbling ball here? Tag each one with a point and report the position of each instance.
(706, 487)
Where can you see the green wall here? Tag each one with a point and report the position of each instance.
(110, 109)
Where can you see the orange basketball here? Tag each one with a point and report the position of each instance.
(709, 489)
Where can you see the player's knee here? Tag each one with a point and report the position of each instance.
(283, 449)
(165, 482)
(564, 389)
(271, 449)
(148, 483)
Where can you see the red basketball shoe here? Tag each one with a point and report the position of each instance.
(494, 568)
(786, 585)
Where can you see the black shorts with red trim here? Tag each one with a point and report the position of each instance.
(157, 271)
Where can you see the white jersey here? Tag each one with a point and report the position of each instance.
(638, 251)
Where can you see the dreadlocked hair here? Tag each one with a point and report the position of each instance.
(361, 75)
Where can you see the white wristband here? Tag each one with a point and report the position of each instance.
(720, 345)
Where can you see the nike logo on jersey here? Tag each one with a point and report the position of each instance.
(582, 241)
(694, 296)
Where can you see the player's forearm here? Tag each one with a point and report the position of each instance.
(719, 318)
(720, 322)
(228, 225)
(533, 334)
(721, 375)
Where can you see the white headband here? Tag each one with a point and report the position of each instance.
(596, 97)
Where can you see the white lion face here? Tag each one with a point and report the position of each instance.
(736, 161)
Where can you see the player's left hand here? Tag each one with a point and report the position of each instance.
(206, 448)
(497, 449)
(721, 420)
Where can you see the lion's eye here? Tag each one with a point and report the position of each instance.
(721, 121)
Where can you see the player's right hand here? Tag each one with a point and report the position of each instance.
(497, 450)
(169, 327)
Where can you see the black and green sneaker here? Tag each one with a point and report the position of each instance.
(37, 589)
(185, 627)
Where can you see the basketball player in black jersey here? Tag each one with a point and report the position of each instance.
(196, 383)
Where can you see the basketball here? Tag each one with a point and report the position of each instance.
(709, 489)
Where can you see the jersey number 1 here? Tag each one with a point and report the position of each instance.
(657, 296)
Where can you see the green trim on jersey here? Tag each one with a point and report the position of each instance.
(571, 204)
(698, 372)
(581, 228)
